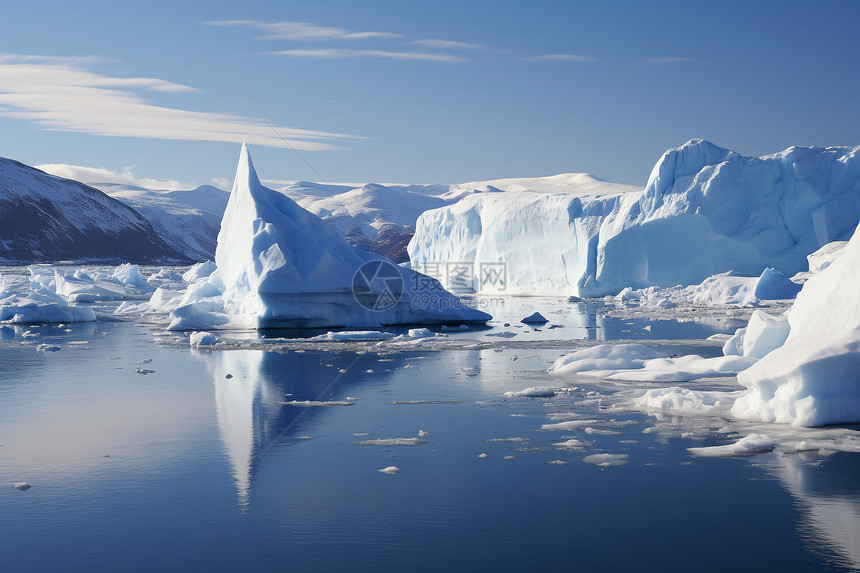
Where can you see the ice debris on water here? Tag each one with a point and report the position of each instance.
(390, 470)
(22, 485)
(47, 348)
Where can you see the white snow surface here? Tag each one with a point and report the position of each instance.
(705, 210)
(813, 379)
(279, 265)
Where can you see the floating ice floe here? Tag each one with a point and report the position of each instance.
(677, 400)
(532, 393)
(705, 210)
(751, 444)
(390, 470)
(606, 460)
(280, 266)
(604, 357)
(390, 442)
(637, 363)
(352, 335)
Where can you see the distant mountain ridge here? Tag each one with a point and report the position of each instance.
(44, 218)
(188, 221)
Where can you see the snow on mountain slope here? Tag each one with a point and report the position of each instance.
(576, 183)
(375, 218)
(704, 211)
(48, 218)
(187, 220)
(280, 266)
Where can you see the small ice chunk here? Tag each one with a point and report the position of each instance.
(316, 403)
(535, 318)
(606, 460)
(532, 393)
(568, 425)
(201, 338)
(572, 444)
(482, 456)
(199, 271)
(390, 470)
(47, 348)
(22, 485)
(774, 285)
(558, 462)
(390, 442)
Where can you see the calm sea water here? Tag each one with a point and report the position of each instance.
(186, 469)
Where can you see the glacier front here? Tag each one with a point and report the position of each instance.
(280, 266)
(705, 210)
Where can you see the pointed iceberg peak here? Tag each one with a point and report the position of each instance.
(245, 172)
(279, 266)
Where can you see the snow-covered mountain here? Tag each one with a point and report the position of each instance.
(381, 218)
(705, 210)
(47, 218)
(188, 221)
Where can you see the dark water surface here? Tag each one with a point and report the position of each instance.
(185, 469)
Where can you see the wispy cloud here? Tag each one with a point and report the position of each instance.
(669, 60)
(447, 45)
(301, 30)
(338, 53)
(65, 95)
(559, 57)
(101, 175)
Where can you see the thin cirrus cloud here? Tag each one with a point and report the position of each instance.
(301, 30)
(447, 45)
(101, 175)
(558, 58)
(669, 60)
(64, 94)
(340, 53)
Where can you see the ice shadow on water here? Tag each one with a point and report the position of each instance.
(251, 387)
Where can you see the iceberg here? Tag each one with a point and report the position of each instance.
(705, 210)
(277, 265)
(813, 379)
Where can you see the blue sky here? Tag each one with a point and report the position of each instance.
(395, 91)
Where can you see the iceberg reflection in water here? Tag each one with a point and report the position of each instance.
(252, 388)
(826, 493)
